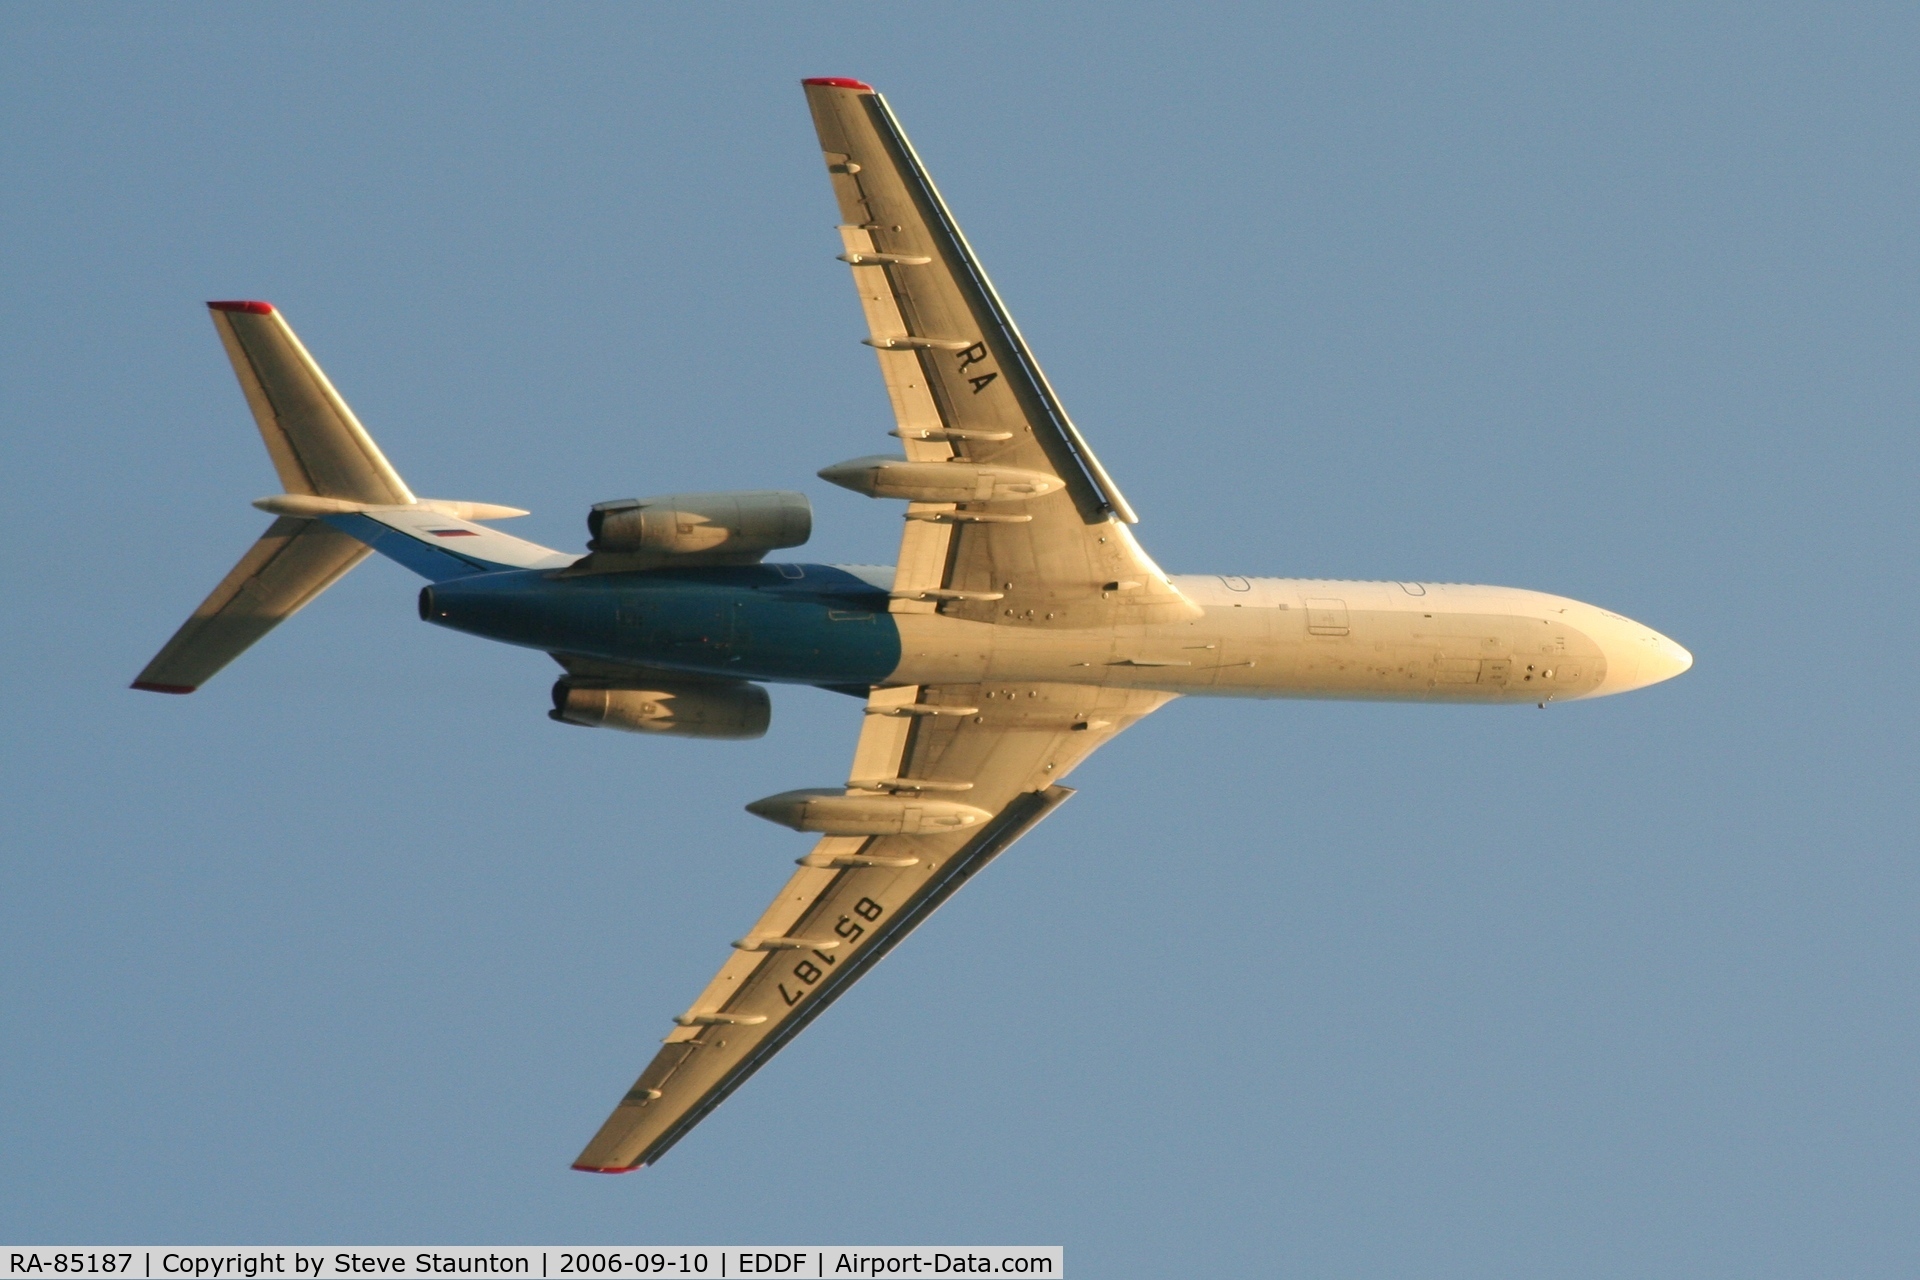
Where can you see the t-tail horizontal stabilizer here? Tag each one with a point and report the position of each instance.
(342, 500)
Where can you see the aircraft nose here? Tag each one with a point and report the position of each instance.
(1668, 661)
(1637, 656)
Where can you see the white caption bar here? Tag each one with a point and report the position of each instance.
(538, 1262)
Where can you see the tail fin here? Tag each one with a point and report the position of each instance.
(318, 446)
(294, 561)
(320, 449)
(342, 498)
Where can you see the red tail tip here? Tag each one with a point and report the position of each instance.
(594, 1168)
(151, 687)
(840, 82)
(251, 308)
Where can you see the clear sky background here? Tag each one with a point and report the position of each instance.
(356, 946)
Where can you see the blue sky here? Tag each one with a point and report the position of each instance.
(356, 946)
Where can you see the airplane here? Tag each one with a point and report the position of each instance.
(1022, 626)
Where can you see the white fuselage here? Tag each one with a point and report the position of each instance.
(1313, 638)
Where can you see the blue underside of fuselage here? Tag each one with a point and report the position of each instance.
(789, 623)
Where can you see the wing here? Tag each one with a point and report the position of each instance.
(854, 897)
(964, 386)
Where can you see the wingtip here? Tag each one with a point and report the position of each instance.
(151, 687)
(594, 1168)
(840, 82)
(251, 308)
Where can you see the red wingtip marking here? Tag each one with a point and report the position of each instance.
(251, 308)
(151, 687)
(591, 1168)
(840, 82)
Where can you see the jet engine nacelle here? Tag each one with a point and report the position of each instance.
(741, 527)
(734, 709)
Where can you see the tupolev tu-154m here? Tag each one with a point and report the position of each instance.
(1022, 627)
